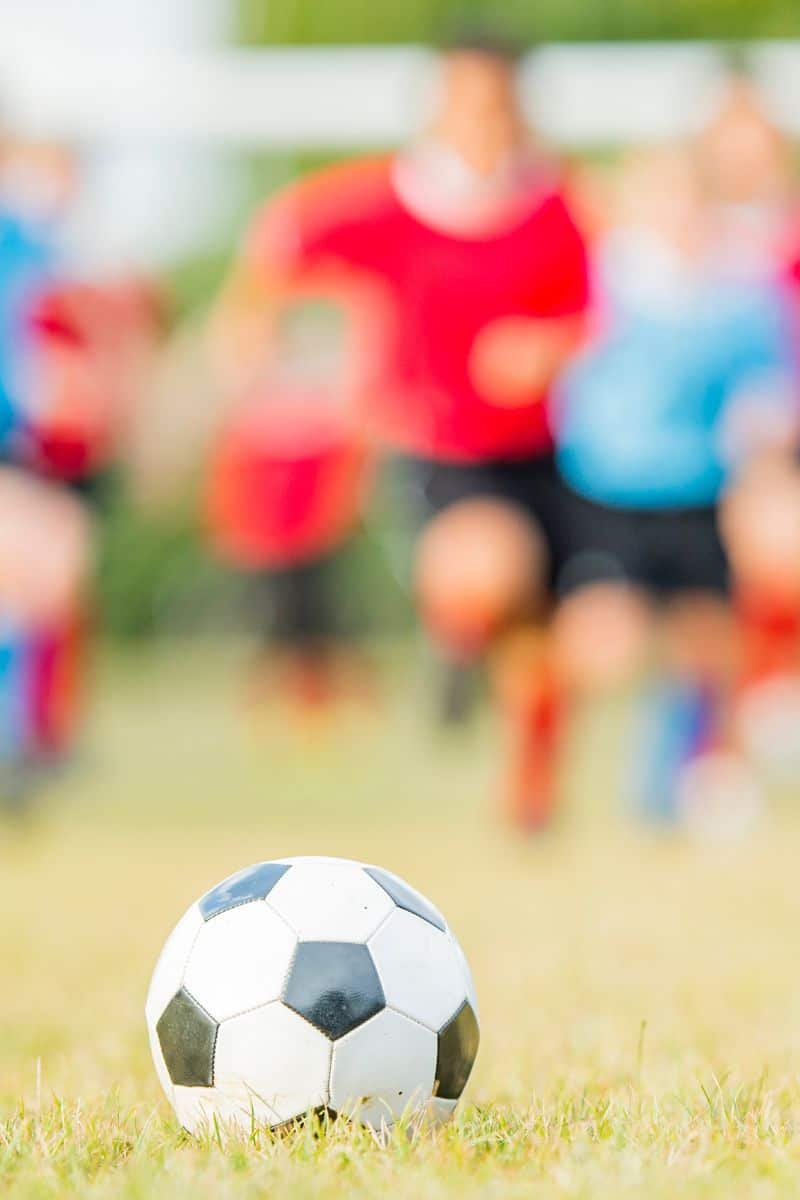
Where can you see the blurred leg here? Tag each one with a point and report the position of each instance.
(458, 692)
(305, 644)
(301, 611)
(296, 627)
(718, 796)
(58, 656)
(761, 525)
(480, 578)
(45, 554)
(603, 636)
(527, 688)
(480, 568)
(685, 712)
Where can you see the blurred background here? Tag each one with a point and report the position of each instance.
(140, 139)
(179, 117)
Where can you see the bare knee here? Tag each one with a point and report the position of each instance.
(761, 529)
(601, 635)
(480, 568)
(44, 549)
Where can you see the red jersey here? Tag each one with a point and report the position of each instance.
(444, 289)
(287, 482)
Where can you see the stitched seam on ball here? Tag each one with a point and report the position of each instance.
(214, 1056)
(415, 1020)
(266, 1003)
(288, 972)
(189, 952)
(244, 1012)
(330, 1075)
(281, 917)
(231, 907)
(381, 924)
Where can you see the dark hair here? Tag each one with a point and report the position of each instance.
(737, 61)
(482, 38)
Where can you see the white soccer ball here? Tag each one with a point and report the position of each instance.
(312, 983)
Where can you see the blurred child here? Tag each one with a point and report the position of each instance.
(287, 484)
(44, 566)
(466, 239)
(643, 415)
(746, 170)
(69, 356)
(27, 264)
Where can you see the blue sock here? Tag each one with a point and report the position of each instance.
(677, 723)
(15, 706)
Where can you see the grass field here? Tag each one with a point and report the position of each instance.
(640, 998)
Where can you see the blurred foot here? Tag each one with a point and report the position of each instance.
(532, 795)
(676, 724)
(312, 681)
(768, 721)
(719, 800)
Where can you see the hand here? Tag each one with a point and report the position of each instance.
(515, 359)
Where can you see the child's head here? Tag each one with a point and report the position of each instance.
(478, 113)
(37, 179)
(743, 157)
(658, 191)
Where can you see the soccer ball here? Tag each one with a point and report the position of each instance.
(312, 983)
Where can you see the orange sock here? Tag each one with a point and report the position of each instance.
(770, 638)
(534, 712)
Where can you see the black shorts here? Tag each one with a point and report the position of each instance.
(664, 551)
(97, 490)
(296, 606)
(530, 484)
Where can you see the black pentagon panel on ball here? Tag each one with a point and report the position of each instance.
(458, 1047)
(253, 883)
(405, 898)
(334, 985)
(188, 1037)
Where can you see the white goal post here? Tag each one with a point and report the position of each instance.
(336, 97)
(159, 119)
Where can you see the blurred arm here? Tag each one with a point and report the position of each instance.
(516, 358)
(306, 245)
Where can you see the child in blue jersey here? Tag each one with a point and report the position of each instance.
(73, 356)
(26, 266)
(647, 417)
(44, 531)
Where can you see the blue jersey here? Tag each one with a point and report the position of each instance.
(641, 413)
(26, 264)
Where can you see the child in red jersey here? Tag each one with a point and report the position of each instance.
(286, 486)
(466, 242)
